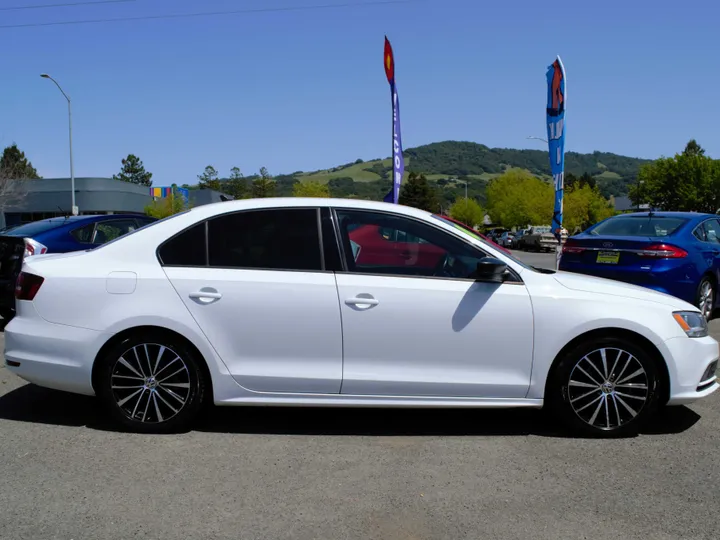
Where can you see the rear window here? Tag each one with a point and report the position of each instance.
(36, 227)
(638, 226)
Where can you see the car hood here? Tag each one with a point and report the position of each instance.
(581, 282)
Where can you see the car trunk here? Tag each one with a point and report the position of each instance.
(12, 249)
(614, 257)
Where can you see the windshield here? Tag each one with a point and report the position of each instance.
(36, 227)
(481, 239)
(638, 226)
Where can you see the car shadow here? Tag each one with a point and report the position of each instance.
(36, 405)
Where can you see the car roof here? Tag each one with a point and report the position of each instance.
(682, 215)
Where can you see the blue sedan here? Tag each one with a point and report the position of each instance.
(677, 253)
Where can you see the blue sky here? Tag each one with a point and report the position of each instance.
(303, 90)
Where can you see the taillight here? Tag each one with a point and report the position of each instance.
(570, 246)
(33, 247)
(662, 251)
(27, 286)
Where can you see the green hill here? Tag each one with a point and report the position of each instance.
(451, 163)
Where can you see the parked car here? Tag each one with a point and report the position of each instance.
(539, 239)
(55, 235)
(507, 239)
(266, 302)
(677, 253)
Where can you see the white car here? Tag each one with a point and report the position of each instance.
(311, 302)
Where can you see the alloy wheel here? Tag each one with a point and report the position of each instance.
(150, 383)
(706, 300)
(608, 388)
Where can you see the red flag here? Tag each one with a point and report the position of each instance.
(389, 62)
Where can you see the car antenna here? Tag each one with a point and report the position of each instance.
(62, 211)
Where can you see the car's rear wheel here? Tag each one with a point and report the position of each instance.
(151, 384)
(606, 387)
(706, 297)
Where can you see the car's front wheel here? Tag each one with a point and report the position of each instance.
(605, 387)
(151, 384)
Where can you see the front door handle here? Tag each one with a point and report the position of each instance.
(361, 302)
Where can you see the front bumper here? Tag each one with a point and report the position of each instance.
(689, 377)
(51, 355)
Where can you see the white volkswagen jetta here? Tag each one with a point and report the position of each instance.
(345, 303)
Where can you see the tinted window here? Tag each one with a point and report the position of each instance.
(185, 249)
(637, 226)
(277, 239)
(105, 231)
(84, 234)
(411, 249)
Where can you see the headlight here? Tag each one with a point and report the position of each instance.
(692, 323)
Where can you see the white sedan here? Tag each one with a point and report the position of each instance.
(323, 302)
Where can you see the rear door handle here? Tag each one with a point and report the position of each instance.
(205, 295)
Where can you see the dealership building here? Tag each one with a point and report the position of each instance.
(50, 197)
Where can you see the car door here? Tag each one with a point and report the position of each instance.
(420, 329)
(259, 291)
(709, 235)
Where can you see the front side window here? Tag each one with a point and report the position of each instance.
(712, 231)
(84, 234)
(272, 239)
(412, 248)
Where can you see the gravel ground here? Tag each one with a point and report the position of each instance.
(340, 474)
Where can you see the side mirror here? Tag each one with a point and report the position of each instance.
(491, 270)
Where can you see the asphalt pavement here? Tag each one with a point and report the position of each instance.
(282, 473)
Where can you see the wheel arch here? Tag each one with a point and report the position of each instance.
(620, 333)
(153, 331)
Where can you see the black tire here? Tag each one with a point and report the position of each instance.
(706, 304)
(160, 408)
(575, 404)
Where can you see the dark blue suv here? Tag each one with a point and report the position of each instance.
(56, 235)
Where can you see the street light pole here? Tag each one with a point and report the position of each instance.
(74, 209)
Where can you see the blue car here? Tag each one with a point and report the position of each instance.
(55, 235)
(677, 253)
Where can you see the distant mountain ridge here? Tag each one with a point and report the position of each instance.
(462, 160)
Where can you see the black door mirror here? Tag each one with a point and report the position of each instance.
(490, 269)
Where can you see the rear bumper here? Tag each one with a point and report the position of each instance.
(51, 355)
(691, 359)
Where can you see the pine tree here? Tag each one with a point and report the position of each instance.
(264, 186)
(133, 171)
(417, 192)
(15, 166)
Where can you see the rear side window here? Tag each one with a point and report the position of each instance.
(105, 231)
(84, 234)
(638, 226)
(276, 239)
(185, 249)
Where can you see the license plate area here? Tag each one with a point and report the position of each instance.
(608, 257)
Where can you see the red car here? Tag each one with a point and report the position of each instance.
(370, 245)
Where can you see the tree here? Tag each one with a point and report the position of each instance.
(133, 171)
(167, 206)
(12, 190)
(236, 185)
(264, 186)
(686, 182)
(311, 188)
(517, 199)
(468, 211)
(209, 179)
(417, 192)
(15, 166)
(584, 206)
